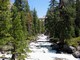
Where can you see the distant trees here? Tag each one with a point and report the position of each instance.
(35, 20)
(41, 27)
(38, 25)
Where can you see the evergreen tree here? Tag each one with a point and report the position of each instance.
(18, 29)
(25, 16)
(29, 22)
(38, 26)
(28, 18)
(59, 20)
(51, 18)
(5, 22)
(42, 27)
(77, 20)
(35, 18)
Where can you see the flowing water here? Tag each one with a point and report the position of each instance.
(42, 50)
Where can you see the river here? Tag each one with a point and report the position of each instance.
(42, 50)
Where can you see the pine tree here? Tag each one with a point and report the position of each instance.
(51, 18)
(77, 20)
(18, 29)
(5, 22)
(38, 26)
(24, 13)
(60, 20)
(35, 18)
(42, 27)
(28, 18)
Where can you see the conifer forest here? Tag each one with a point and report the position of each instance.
(25, 36)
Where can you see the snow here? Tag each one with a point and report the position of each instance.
(49, 56)
(42, 37)
(6, 55)
(5, 59)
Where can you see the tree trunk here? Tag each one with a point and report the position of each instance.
(61, 43)
(3, 59)
(77, 20)
(61, 4)
(13, 53)
(13, 57)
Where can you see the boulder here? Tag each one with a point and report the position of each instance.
(72, 48)
(78, 48)
(67, 49)
(76, 54)
(55, 46)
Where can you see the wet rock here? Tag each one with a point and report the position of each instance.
(73, 48)
(76, 54)
(67, 49)
(78, 48)
(55, 46)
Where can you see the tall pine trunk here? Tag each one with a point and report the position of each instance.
(77, 20)
(61, 38)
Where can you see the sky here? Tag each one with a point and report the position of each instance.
(41, 6)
